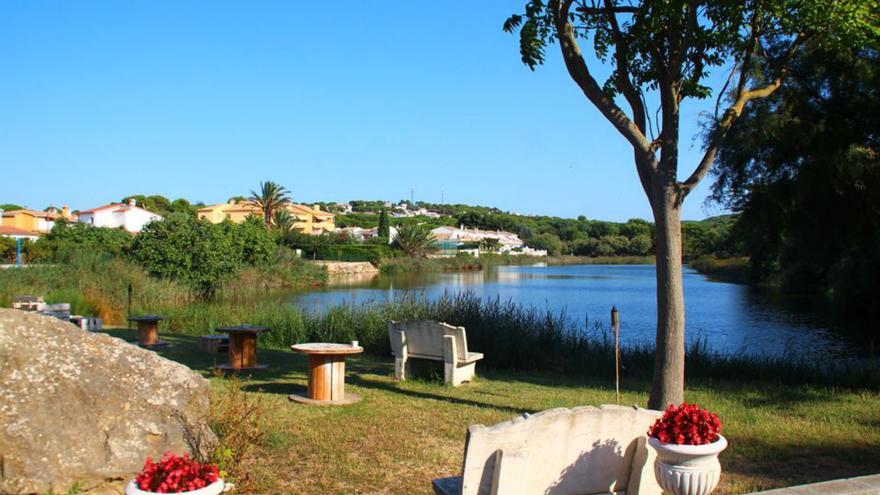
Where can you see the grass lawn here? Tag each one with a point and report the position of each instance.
(402, 435)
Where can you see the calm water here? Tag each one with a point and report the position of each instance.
(730, 318)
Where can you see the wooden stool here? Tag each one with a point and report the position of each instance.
(148, 330)
(242, 347)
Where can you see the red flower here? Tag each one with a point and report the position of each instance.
(175, 474)
(686, 424)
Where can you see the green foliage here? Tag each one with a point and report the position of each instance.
(200, 253)
(162, 205)
(10, 206)
(270, 198)
(804, 171)
(361, 206)
(384, 225)
(547, 241)
(697, 36)
(68, 239)
(8, 249)
(283, 221)
(374, 253)
(415, 240)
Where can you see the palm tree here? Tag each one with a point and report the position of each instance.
(271, 197)
(283, 221)
(415, 240)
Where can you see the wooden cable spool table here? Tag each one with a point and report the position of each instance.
(148, 330)
(326, 373)
(242, 347)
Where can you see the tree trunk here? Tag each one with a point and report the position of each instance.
(668, 384)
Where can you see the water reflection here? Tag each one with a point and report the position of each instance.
(729, 318)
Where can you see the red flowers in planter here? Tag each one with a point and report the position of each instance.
(686, 424)
(175, 474)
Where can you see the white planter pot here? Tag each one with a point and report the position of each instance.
(688, 469)
(214, 488)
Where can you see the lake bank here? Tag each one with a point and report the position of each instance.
(506, 309)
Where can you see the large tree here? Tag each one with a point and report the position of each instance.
(803, 169)
(660, 53)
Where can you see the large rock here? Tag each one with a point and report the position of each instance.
(79, 407)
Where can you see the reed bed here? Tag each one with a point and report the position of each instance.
(513, 337)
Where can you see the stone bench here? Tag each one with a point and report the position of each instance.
(425, 339)
(88, 323)
(584, 451)
(59, 310)
(28, 303)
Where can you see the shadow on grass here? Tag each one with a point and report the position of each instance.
(393, 388)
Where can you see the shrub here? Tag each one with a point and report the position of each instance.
(68, 239)
(415, 240)
(200, 253)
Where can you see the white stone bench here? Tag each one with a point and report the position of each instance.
(59, 310)
(28, 303)
(87, 323)
(425, 339)
(582, 451)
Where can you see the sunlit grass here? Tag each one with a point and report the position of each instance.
(402, 435)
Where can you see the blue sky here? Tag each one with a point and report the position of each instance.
(349, 100)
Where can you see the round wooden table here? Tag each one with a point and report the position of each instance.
(148, 330)
(242, 347)
(326, 373)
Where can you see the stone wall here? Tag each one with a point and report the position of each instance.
(347, 268)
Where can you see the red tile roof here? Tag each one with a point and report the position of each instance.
(112, 205)
(9, 230)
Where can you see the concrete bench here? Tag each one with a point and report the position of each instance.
(580, 451)
(87, 323)
(28, 303)
(59, 310)
(424, 339)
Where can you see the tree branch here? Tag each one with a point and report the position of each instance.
(621, 56)
(577, 69)
(619, 9)
(730, 116)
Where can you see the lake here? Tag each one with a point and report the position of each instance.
(730, 318)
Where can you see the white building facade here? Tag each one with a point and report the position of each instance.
(129, 217)
(508, 242)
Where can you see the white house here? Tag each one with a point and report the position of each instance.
(450, 237)
(128, 216)
(362, 234)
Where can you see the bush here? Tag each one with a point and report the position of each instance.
(68, 239)
(200, 253)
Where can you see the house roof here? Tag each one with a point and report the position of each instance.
(311, 211)
(119, 208)
(9, 230)
(33, 213)
(245, 206)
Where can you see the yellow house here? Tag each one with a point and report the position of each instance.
(309, 220)
(34, 221)
(232, 211)
(312, 220)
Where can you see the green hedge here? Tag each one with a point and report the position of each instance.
(373, 253)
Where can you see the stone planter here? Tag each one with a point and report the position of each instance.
(688, 469)
(214, 488)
